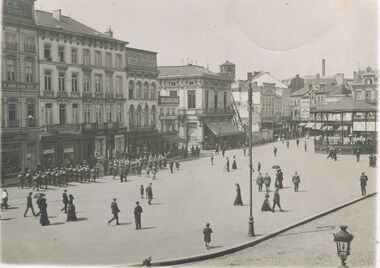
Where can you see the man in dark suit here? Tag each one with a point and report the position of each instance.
(149, 193)
(115, 211)
(276, 200)
(65, 201)
(363, 183)
(29, 205)
(137, 212)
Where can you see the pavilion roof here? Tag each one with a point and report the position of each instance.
(345, 105)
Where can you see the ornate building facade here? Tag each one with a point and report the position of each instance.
(142, 104)
(20, 88)
(82, 82)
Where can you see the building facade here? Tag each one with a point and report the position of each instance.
(365, 85)
(142, 101)
(19, 89)
(204, 104)
(82, 82)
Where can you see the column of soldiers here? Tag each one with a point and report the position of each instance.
(58, 176)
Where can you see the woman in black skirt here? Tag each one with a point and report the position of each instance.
(238, 201)
(71, 214)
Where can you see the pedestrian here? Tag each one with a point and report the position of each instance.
(297, 142)
(363, 183)
(296, 181)
(149, 193)
(276, 200)
(305, 146)
(42, 205)
(260, 182)
(4, 199)
(370, 160)
(238, 200)
(65, 201)
(228, 165)
(234, 166)
(223, 152)
(267, 181)
(207, 235)
(115, 211)
(266, 206)
(258, 166)
(21, 178)
(138, 210)
(275, 151)
(287, 144)
(279, 179)
(154, 172)
(357, 155)
(171, 165)
(29, 204)
(142, 191)
(177, 165)
(212, 159)
(244, 151)
(71, 214)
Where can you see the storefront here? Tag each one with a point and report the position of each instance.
(224, 134)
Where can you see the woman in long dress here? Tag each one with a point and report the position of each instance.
(71, 214)
(234, 166)
(42, 205)
(238, 201)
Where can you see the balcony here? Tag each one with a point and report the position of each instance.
(206, 112)
(30, 48)
(11, 45)
(168, 100)
(86, 95)
(63, 128)
(168, 117)
(31, 123)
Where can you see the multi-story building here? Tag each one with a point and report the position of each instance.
(20, 88)
(142, 104)
(82, 81)
(365, 85)
(204, 104)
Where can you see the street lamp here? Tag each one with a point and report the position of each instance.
(251, 231)
(343, 240)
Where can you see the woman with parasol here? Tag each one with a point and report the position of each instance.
(42, 205)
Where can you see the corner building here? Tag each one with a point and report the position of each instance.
(19, 88)
(82, 79)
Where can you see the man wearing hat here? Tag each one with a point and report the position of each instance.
(137, 212)
(65, 201)
(29, 205)
(363, 183)
(149, 193)
(115, 211)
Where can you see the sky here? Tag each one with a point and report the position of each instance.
(283, 37)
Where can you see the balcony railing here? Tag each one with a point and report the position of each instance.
(31, 122)
(205, 112)
(63, 128)
(86, 127)
(169, 100)
(167, 116)
(11, 45)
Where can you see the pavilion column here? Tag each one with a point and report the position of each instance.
(365, 128)
(342, 126)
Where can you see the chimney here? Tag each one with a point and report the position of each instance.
(57, 14)
(297, 75)
(109, 32)
(323, 67)
(317, 79)
(249, 76)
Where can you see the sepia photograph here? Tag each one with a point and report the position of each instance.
(203, 133)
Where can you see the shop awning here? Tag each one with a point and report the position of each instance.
(173, 139)
(221, 129)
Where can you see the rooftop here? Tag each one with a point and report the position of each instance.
(67, 24)
(347, 104)
(187, 70)
(301, 91)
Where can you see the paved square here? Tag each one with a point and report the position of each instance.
(183, 202)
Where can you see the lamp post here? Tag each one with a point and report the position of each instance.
(343, 240)
(251, 231)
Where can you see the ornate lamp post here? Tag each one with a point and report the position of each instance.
(251, 231)
(343, 240)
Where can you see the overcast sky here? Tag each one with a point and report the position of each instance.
(282, 37)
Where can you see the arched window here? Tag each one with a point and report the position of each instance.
(146, 90)
(146, 116)
(132, 116)
(139, 116)
(138, 90)
(153, 91)
(131, 90)
(153, 116)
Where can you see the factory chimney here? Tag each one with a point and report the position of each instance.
(323, 67)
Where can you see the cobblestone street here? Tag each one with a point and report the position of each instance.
(183, 202)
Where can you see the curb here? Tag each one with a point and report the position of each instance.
(251, 243)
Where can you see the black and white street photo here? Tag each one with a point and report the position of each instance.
(200, 133)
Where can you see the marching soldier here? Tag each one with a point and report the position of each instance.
(115, 211)
(137, 212)
(29, 205)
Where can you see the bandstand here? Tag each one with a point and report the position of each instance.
(348, 124)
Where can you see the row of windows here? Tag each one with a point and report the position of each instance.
(86, 59)
(168, 110)
(12, 44)
(11, 73)
(140, 117)
(141, 91)
(215, 100)
(86, 82)
(13, 112)
(88, 114)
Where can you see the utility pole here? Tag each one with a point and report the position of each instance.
(251, 231)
